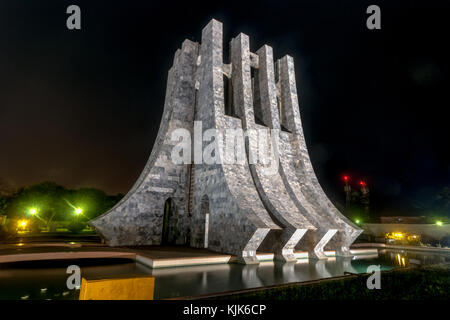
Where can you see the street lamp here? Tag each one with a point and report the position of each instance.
(78, 211)
(35, 213)
(347, 190)
(365, 196)
(22, 224)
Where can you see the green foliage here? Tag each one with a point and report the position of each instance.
(46, 197)
(4, 234)
(76, 226)
(56, 203)
(7, 231)
(3, 204)
(5, 193)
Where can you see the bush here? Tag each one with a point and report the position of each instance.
(426, 283)
(445, 241)
(76, 226)
(6, 233)
(35, 226)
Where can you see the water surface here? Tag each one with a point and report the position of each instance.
(47, 280)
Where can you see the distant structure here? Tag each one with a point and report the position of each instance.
(231, 208)
(406, 220)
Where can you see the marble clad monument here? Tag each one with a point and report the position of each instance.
(235, 208)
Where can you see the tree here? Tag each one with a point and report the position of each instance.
(93, 202)
(54, 202)
(45, 197)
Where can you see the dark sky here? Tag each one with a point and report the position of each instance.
(82, 108)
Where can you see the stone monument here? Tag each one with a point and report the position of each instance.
(235, 207)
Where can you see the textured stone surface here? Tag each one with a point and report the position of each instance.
(249, 205)
(268, 182)
(138, 218)
(299, 173)
(238, 221)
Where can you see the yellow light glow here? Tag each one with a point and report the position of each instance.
(33, 211)
(395, 235)
(439, 223)
(357, 221)
(22, 223)
(78, 211)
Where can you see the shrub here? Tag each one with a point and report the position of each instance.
(76, 226)
(6, 233)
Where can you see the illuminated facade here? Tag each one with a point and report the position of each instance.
(235, 208)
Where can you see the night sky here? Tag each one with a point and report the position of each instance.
(82, 108)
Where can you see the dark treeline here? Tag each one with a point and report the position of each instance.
(53, 202)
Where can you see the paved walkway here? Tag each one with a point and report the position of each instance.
(151, 256)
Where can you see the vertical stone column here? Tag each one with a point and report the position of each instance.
(342, 231)
(267, 88)
(290, 116)
(238, 221)
(241, 79)
(268, 182)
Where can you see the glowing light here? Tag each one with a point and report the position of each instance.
(398, 235)
(395, 235)
(33, 211)
(346, 178)
(362, 183)
(439, 223)
(22, 223)
(78, 211)
(357, 221)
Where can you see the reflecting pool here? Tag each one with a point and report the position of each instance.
(47, 280)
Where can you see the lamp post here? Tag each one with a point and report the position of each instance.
(347, 190)
(365, 196)
(35, 213)
(78, 212)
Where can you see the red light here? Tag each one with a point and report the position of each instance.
(362, 183)
(346, 178)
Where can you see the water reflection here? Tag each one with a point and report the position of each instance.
(405, 258)
(178, 282)
(49, 282)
